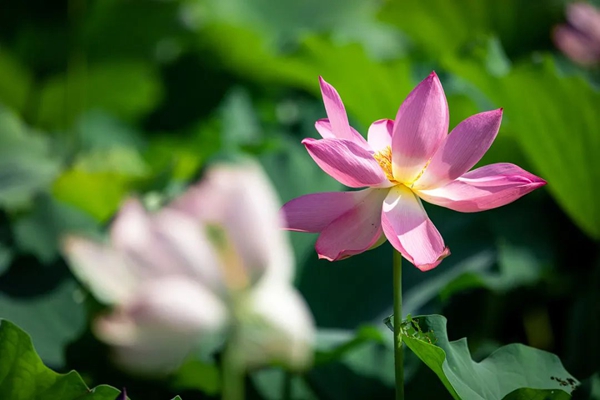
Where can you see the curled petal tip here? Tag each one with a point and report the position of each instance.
(342, 255)
(428, 267)
(324, 257)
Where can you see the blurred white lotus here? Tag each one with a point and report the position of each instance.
(213, 261)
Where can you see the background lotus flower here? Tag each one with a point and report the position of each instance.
(215, 258)
(402, 162)
(580, 38)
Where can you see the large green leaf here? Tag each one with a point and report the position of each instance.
(509, 368)
(23, 376)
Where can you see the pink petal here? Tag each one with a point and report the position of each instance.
(190, 250)
(576, 46)
(461, 150)
(241, 200)
(409, 229)
(131, 225)
(586, 19)
(335, 111)
(313, 212)
(347, 162)
(134, 235)
(323, 126)
(380, 134)
(421, 125)
(355, 231)
(155, 331)
(285, 332)
(164, 243)
(101, 268)
(485, 188)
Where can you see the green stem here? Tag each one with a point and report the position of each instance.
(232, 374)
(398, 352)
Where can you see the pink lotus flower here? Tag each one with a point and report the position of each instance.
(580, 38)
(403, 162)
(181, 277)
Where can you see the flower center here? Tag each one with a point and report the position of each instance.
(234, 272)
(384, 158)
(419, 175)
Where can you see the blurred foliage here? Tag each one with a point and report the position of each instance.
(101, 100)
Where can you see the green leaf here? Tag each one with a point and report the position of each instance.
(509, 368)
(97, 193)
(344, 66)
(536, 394)
(439, 26)
(101, 131)
(23, 376)
(52, 312)
(285, 24)
(127, 89)
(26, 164)
(40, 232)
(100, 179)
